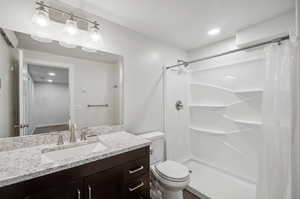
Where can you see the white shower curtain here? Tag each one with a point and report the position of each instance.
(280, 129)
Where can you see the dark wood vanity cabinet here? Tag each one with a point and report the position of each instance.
(106, 184)
(124, 176)
(69, 190)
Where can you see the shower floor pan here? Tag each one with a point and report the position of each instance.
(210, 183)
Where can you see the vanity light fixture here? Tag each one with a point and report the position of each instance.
(41, 15)
(52, 74)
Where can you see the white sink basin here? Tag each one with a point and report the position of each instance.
(69, 153)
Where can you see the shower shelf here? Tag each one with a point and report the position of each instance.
(210, 131)
(252, 91)
(256, 123)
(241, 91)
(250, 122)
(208, 106)
(210, 85)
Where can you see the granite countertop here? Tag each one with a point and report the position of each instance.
(28, 163)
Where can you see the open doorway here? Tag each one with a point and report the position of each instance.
(46, 99)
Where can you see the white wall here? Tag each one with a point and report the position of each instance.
(6, 91)
(90, 83)
(178, 146)
(143, 61)
(271, 29)
(51, 104)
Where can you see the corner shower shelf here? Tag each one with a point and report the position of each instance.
(214, 106)
(257, 123)
(218, 132)
(249, 91)
(249, 122)
(241, 91)
(210, 131)
(210, 85)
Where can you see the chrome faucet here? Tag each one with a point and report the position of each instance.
(60, 140)
(83, 135)
(72, 133)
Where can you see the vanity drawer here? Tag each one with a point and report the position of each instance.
(138, 188)
(136, 168)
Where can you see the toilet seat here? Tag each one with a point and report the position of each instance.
(172, 171)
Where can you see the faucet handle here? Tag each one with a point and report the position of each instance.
(60, 140)
(83, 135)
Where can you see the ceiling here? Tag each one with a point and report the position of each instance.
(184, 23)
(26, 42)
(41, 74)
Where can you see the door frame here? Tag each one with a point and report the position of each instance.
(70, 67)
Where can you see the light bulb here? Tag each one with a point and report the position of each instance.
(95, 33)
(71, 26)
(41, 17)
(51, 74)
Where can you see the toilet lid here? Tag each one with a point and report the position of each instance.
(172, 171)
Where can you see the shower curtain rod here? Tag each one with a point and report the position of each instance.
(277, 40)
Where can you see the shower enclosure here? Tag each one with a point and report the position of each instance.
(218, 133)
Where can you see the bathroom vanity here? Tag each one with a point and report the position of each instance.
(120, 170)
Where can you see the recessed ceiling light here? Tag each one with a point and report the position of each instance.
(50, 80)
(214, 31)
(230, 77)
(51, 74)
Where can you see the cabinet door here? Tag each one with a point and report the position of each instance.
(71, 190)
(105, 185)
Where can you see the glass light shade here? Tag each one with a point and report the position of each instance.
(41, 18)
(71, 27)
(95, 34)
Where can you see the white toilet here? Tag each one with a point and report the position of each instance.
(171, 176)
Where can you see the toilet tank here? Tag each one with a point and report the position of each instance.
(157, 147)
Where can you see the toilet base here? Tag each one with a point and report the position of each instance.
(172, 194)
